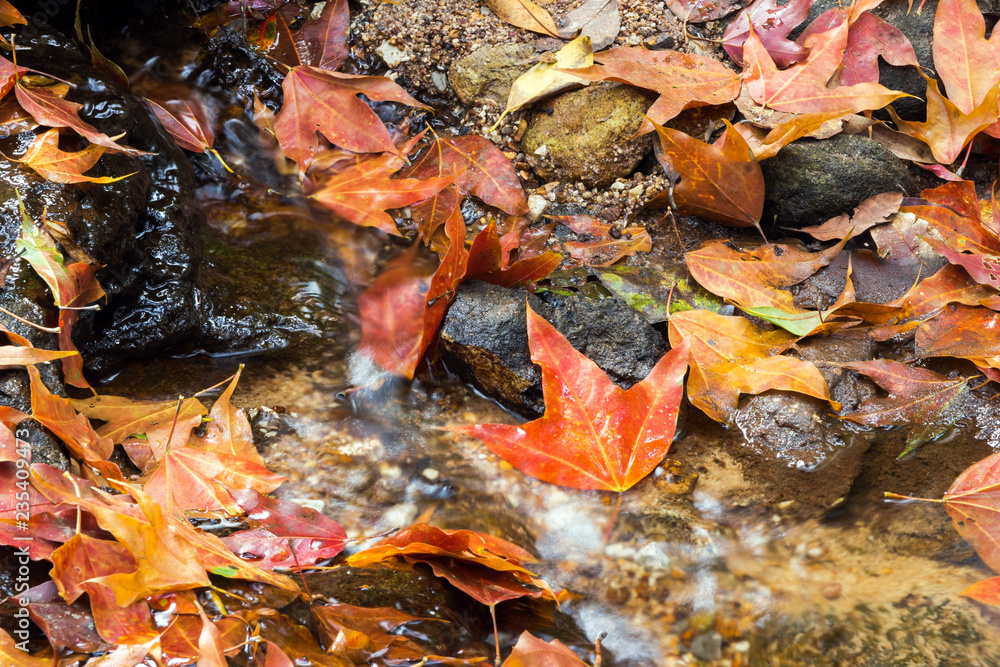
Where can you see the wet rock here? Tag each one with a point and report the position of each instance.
(487, 74)
(810, 182)
(847, 388)
(588, 135)
(795, 450)
(484, 339)
(707, 646)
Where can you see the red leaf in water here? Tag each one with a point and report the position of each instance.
(282, 525)
(594, 434)
(363, 192)
(316, 100)
(53, 111)
(530, 651)
(486, 262)
(186, 120)
(772, 21)
(402, 309)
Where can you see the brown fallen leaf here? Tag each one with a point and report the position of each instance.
(524, 14)
(964, 332)
(723, 184)
(605, 249)
(731, 356)
(766, 144)
(872, 211)
(530, 651)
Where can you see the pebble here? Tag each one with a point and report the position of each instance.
(431, 474)
(831, 591)
(536, 206)
(707, 647)
(440, 80)
(390, 55)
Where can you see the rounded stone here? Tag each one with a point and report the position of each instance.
(587, 135)
(489, 73)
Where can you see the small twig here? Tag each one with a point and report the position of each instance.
(30, 324)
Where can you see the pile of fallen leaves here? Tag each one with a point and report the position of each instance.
(133, 580)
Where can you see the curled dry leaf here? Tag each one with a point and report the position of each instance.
(524, 14)
(766, 144)
(594, 434)
(731, 356)
(609, 244)
(723, 184)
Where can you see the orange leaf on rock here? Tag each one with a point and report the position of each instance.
(721, 184)
(53, 111)
(594, 434)
(785, 132)
(486, 262)
(756, 277)
(948, 129)
(802, 88)
(319, 101)
(951, 284)
(530, 651)
(730, 356)
(872, 211)
(52, 164)
(362, 192)
(683, 80)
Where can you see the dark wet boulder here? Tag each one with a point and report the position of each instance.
(484, 339)
(812, 181)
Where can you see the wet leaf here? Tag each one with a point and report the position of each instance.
(319, 101)
(872, 211)
(548, 78)
(52, 164)
(530, 651)
(594, 434)
(869, 38)
(184, 480)
(53, 111)
(605, 249)
(186, 120)
(986, 591)
(599, 20)
(486, 263)
(228, 432)
(75, 566)
(479, 169)
(968, 63)
(721, 184)
(772, 21)
(322, 42)
(951, 284)
(650, 290)
(362, 192)
(947, 129)
(756, 277)
(963, 332)
(484, 567)
(682, 80)
(927, 401)
(985, 269)
(125, 418)
(730, 356)
(57, 414)
(9, 15)
(280, 526)
(524, 14)
(14, 656)
(401, 311)
(802, 87)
